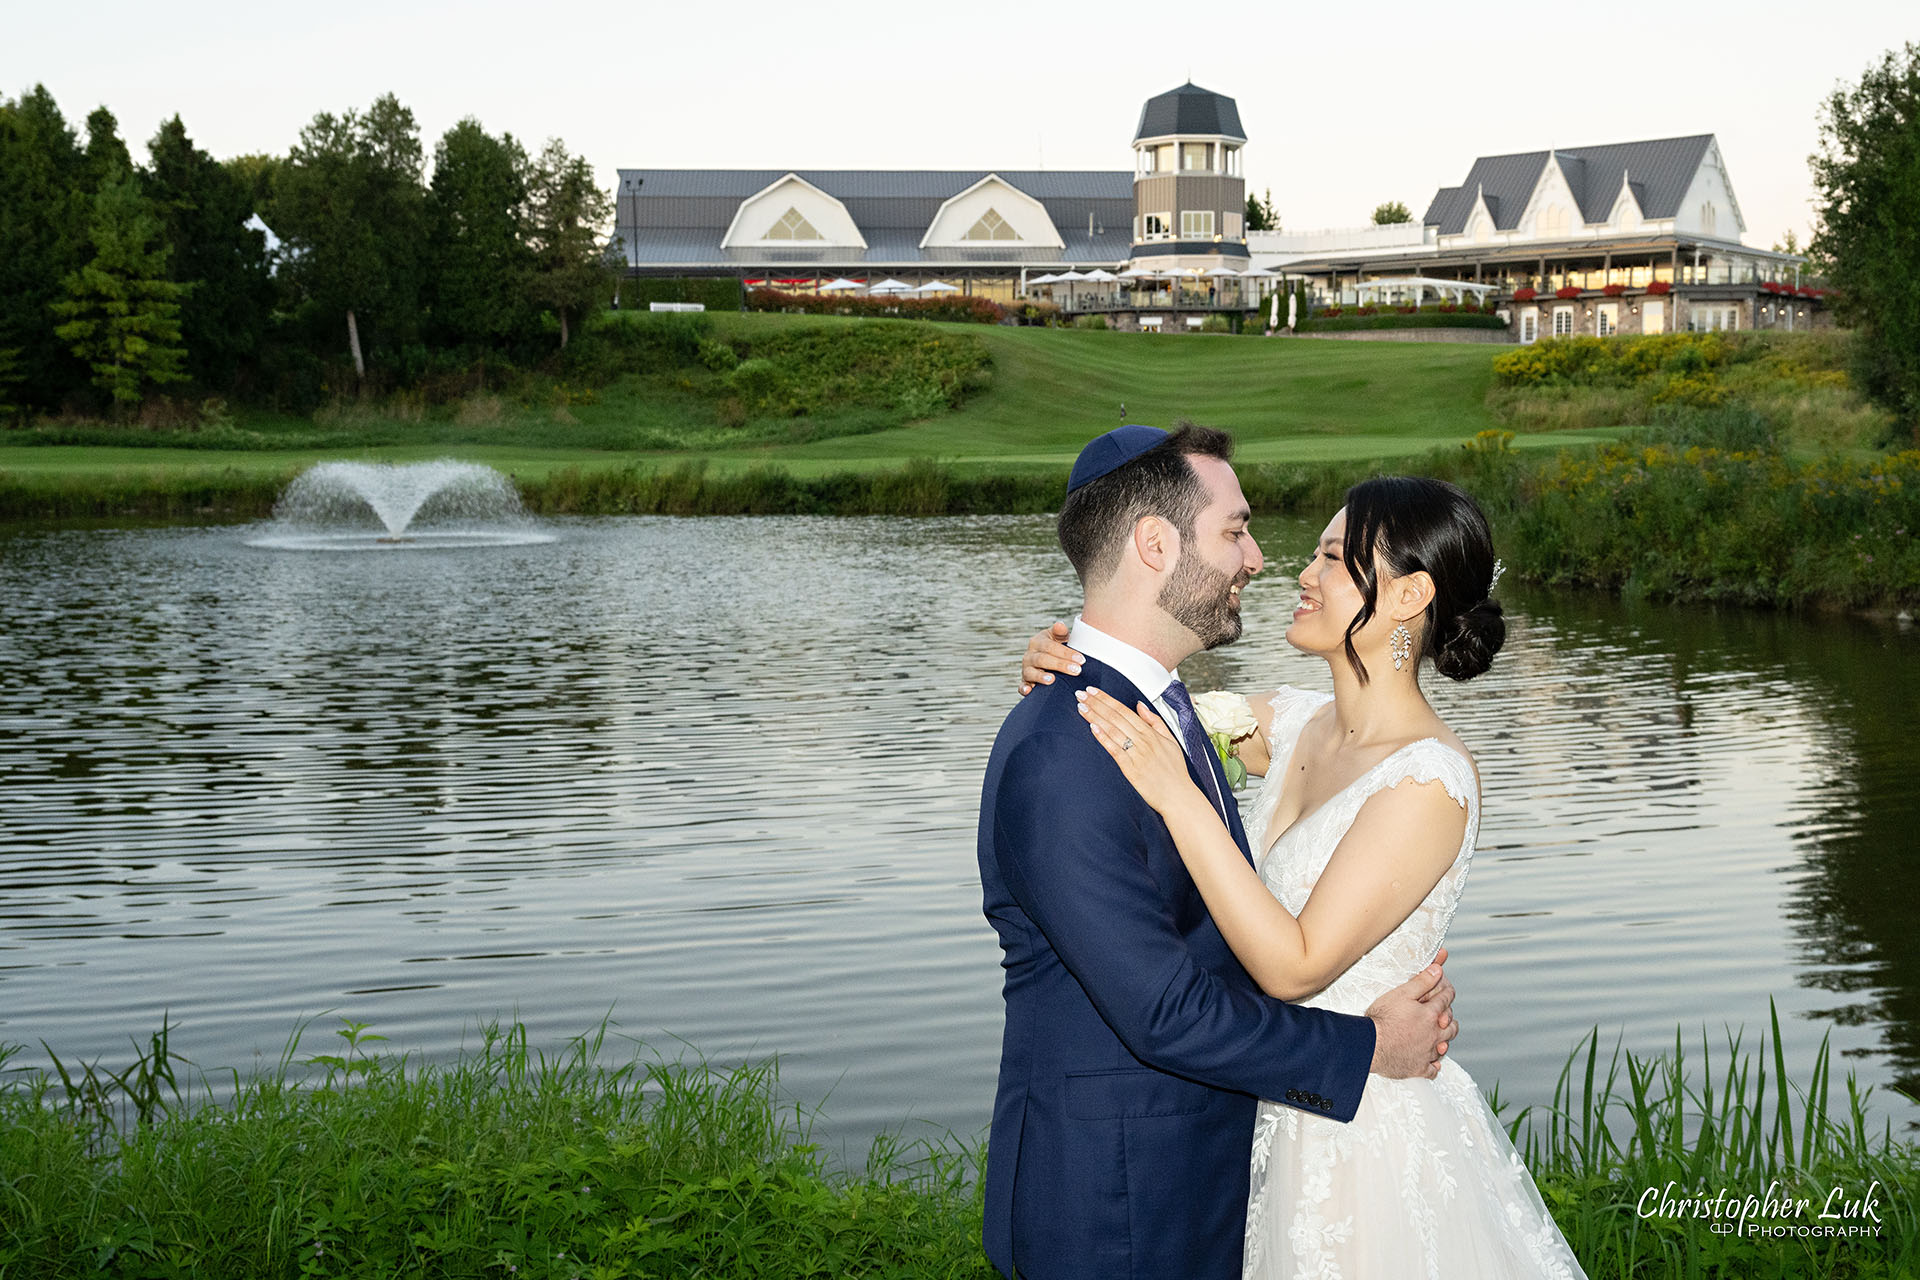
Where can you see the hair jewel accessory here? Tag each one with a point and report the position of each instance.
(1499, 568)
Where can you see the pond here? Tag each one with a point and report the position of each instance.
(716, 780)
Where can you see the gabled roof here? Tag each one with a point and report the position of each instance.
(1190, 110)
(680, 216)
(1661, 171)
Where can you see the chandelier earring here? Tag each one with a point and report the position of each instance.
(1400, 645)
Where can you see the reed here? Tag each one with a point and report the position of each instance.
(511, 1162)
(506, 1162)
(1625, 1132)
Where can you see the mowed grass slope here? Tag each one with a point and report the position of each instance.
(1285, 400)
(1051, 391)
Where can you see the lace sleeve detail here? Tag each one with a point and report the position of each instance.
(1431, 760)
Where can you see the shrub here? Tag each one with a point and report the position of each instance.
(1335, 320)
(755, 381)
(716, 294)
(952, 308)
(719, 357)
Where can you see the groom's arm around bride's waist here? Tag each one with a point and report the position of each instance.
(1093, 868)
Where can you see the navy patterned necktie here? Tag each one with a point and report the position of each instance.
(1199, 746)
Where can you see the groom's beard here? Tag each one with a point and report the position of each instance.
(1197, 596)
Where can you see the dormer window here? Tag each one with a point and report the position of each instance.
(792, 225)
(1552, 221)
(991, 226)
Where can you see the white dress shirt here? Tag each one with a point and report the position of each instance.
(1147, 675)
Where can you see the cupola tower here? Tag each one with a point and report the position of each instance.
(1189, 195)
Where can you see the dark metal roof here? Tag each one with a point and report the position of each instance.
(852, 184)
(1660, 170)
(1191, 110)
(679, 216)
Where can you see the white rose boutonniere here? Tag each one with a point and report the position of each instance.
(1228, 720)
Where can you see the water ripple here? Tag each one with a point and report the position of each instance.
(720, 777)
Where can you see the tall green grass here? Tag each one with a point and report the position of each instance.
(506, 1162)
(509, 1162)
(1625, 1131)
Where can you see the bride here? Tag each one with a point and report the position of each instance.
(1363, 833)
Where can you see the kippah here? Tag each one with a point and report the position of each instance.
(1108, 453)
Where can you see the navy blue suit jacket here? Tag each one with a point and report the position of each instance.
(1135, 1044)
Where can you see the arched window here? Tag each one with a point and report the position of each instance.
(991, 227)
(1552, 221)
(792, 225)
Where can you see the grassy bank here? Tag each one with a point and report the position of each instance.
(506, 1163)
(510, 1163)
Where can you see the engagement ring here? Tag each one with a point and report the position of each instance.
(1127, 745)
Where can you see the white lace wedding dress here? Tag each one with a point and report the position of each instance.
(1423, 1182)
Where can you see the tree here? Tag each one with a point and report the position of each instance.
(10, 378)
(106, 154)
(567, 213)
(349, 208)
(1866, 179)
(482, 265)
(203, 209)
(123, 313)
(1391, 212)
(43, 239)
(1260, 213)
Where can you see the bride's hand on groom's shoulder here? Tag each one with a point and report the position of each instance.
(1148, 754)
(1047, 653)
(1413, 1023)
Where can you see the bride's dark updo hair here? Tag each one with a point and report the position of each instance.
(1413, 524)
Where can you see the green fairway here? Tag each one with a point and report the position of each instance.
(1052, 390)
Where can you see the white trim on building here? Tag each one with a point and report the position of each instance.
(762, 216)
(956, 223)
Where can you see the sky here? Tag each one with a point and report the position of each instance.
(1344, 106)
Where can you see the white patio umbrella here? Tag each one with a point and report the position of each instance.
(1067, 278)
(890, 285)
(937, 286)
(1099, 275)
(840, 285)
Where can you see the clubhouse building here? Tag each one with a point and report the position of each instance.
(1635, 237)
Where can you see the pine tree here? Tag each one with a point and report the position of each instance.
(123, 313)
(570, 256)
(43, 239)
(10, 379)
(203, 209)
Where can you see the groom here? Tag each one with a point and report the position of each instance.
(1135, 1044)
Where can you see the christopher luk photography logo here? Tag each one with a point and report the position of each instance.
(1841, 1211)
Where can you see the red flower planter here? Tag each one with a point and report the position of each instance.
(1568, 292)
(1660, 286)
(1525, 294)
(1614, 290)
